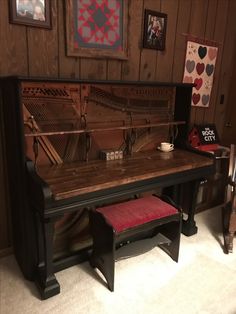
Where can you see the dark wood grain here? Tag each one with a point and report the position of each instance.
(148, 56)
(166, 57)
(75, 179)
(68, 67)
(180, 41)
(229, 128)
(114, 69)
(13, 40)
(130, 68)
(219, 34)
(227, 64)
(93, 69)
(43, 48)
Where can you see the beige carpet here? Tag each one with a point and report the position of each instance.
(204, 281)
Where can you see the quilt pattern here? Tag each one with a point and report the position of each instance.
(98, 24)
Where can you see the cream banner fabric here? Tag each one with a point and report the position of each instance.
(199, 69)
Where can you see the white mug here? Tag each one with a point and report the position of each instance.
(166, 147)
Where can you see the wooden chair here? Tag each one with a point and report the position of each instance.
(229, 208)
(115, 228)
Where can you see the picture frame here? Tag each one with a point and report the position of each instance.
(36, 13)
(154, 31)
(97, 33)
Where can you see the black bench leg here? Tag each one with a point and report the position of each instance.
(172, 231)
(103, 254)
(107, 267)
(45, 279)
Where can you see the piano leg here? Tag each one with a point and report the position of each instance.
(45, 279)
(185, 195)
(189, 200)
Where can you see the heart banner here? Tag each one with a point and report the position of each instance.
(199, 69)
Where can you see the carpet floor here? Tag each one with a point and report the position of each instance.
(203, 281)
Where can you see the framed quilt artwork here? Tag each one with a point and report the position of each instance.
(97, 28)
(199, 69)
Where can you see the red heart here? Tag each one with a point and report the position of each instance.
(200, 68)
(212, 53)
(196, 98)
(198, 83)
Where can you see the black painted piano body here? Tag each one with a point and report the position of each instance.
(55, 130)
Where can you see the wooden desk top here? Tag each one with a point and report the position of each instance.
(74, 179)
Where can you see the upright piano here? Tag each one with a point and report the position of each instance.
(72, 145)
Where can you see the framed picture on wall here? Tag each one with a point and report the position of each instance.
(97, 29)
(30, 12)
(154, 33)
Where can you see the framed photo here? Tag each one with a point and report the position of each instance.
(154, 34)
(97, 30)
(30, 12)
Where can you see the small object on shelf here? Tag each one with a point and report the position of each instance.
(119, 154)
(110, 154)
(204, 137)
(166, 147)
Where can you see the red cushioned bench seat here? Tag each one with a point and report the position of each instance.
(136, 212)
(116, 225)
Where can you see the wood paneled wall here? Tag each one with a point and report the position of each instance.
(39, 52)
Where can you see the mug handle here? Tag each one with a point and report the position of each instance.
(171, 145)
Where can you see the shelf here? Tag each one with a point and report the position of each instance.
(125, 127)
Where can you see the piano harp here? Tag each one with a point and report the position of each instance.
(57, 128)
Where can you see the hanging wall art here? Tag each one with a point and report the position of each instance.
(199, 69)
(35, 13)
(154, 34)
(97, 29)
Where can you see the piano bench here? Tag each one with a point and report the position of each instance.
(148, 219)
